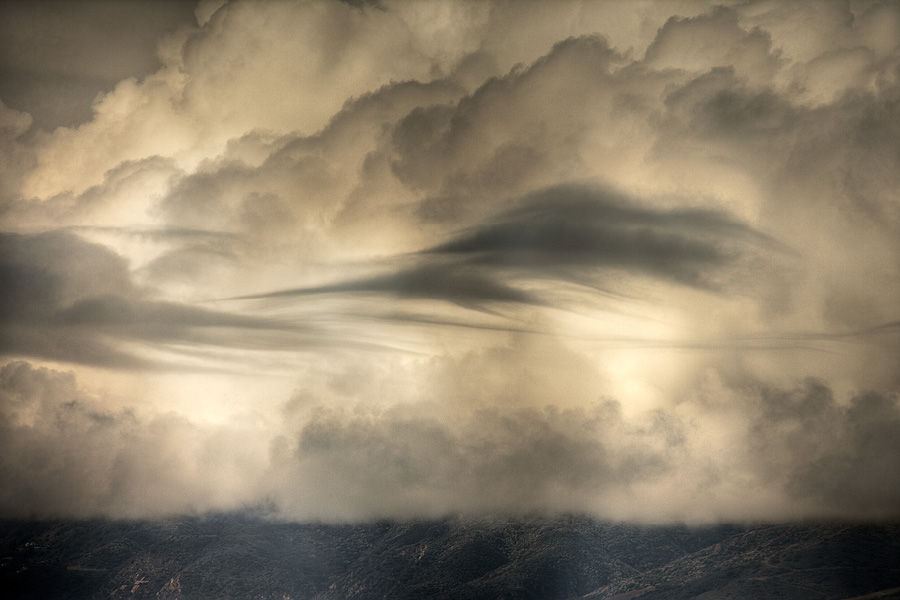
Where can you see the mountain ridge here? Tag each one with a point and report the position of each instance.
(560, 558)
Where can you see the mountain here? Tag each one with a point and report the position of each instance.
(566, 558)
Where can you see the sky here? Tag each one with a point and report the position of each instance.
(349, 261)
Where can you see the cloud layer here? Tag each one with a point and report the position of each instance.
(635, 260)
(784, 454)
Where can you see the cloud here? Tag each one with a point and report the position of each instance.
(633, 260)
(66, 454)
(57, 57)
(758, 453)
(712, 40)
(839, 457)
(125, 196)
(500, 438)
(16, 158)
(500, 461)
(579, 234)
(177, 111)
(440, 282)
(581, 227)
(67, 299)
(502, 141)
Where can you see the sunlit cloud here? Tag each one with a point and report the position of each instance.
(368, 260)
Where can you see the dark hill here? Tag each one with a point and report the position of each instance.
(229, 556)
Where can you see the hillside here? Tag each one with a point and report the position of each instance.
(228, 556)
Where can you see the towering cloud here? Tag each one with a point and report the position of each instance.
(637, 260)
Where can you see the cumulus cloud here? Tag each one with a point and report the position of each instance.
(635, 260)
(831, 454)
(67, 453)
(346, 51)
(56, 57)
(72, 454)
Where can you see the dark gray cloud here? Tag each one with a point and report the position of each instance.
(839, 457)
(67, 299)
(569, 230)
(441, 281)
(719, 106)
(569, 233)
(44, 271)
(505, 461)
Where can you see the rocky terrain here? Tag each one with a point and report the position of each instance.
(232, 556)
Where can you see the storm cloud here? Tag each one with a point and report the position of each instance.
(636, 260)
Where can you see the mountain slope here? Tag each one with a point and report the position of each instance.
(232, 556)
